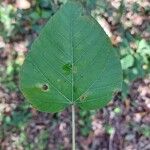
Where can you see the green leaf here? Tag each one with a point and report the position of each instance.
(144, 48)
(127, 61)
(71, 62)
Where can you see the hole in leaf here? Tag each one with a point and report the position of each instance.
(44, 87)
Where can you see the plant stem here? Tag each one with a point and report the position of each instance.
(73, 127)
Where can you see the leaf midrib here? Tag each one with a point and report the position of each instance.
(72, 48)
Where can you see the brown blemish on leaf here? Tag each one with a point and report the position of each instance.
(83, 97)
(45, 87)
(42, 86)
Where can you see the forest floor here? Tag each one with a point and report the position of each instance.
(124, 124)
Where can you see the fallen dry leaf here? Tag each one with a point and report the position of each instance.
(23, 4)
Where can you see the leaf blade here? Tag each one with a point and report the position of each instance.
(75, 60)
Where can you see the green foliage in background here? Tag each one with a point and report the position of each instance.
(24, 24)
(135, 64)
(7, 22)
